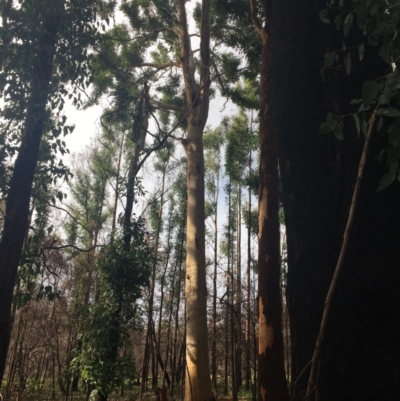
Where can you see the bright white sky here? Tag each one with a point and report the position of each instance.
(87, 122)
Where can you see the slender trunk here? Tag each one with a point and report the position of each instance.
(141, 124)
(148, 346)
(117, 178)
(214, 312)
(238, 312)
(175, 359)
(160, 216)
(228, 321)
(162, 303)
(168, 339)
(19, 193)
(248, 283)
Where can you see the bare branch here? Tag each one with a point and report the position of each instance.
(57, 248)
(165, 106)
(256, 22)
(159, 67)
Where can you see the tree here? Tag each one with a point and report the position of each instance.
(122, 274)
(197, 381)
(45, 63)
(271, 372)
(318, 175)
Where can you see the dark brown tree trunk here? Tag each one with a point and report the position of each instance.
(272, 384)
(138, 138)
(19, 193)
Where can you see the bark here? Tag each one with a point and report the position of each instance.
(272, 384)
(18, 197)
(197, 379)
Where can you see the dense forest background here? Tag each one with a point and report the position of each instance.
(172, 259)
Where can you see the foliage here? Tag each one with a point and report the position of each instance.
(376, 23)
(105, 333)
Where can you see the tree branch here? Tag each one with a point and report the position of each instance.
(312, 381)
(205, 46)
(186, 53)
(256, 22)
(161, 66)
(165, 106)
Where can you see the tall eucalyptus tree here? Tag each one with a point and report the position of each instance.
(158, 24)
(271, 371)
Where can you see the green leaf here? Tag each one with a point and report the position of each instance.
(364, 127)
(356, 101)
(386, 180)
(347, 63)
(339, 134)
(369, 92)
(330, 58)
(357, 121)
(338, 21)
(394, 167)
(347, 23)
(380, 124)
(383, 100)
(338, 129)
(361, 50)
(49, 230)
(391, 112)
(323, 16)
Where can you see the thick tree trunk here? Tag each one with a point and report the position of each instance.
(19, 192)
(197, 381)
(272, 384)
